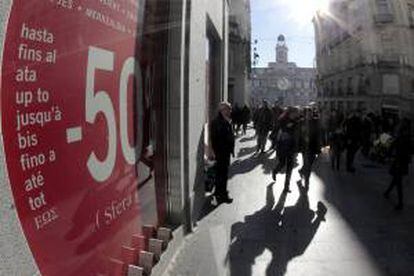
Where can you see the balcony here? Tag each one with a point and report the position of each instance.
(382, 18)
(389, 60)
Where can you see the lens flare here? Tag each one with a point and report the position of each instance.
(302, 11)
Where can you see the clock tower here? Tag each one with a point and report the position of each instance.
(281, 50)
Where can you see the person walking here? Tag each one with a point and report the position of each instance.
(236, 116)
(263, 126)
(401, 160)
(276, 112)
(336, 141)
(222, 142)
(366, 133)
(352, 127)
(245, 118)
(310, 140)
(286, 145)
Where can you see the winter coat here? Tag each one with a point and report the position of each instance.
(286, 144)
(310, 136)
(221, 137)
(402, 155)
(353, 127)
(264, 120)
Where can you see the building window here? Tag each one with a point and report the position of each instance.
(388, 44)
(349, 90)
(325, 91)
(411, 15)
(384, 11)
(390, 84)
(362, 84)
(383, 6)
(362, 105)
(340, 91)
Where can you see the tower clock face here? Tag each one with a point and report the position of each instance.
(283, 83)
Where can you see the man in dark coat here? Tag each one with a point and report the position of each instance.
(277, 111)
(263, 126)
(353, 128)
(310, 142)
(286, 145)
(245, 118)
(401, 160)
(222, 142)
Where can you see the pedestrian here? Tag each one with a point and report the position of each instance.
(324, 121)
(245, 118)
(236, 115)
(366, 131)
(310, 142)
(286, 145)
(401, 160)
(222, 142)
(263, 126)
(276, 112)
(336, 147)
(255, 117)
(352, 128)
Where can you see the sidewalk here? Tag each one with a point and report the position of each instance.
(264, 232)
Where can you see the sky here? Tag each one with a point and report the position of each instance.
(293, 18)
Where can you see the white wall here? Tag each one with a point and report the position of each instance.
(187, 104)
(201, 10)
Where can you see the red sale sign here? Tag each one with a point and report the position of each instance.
(72, 117)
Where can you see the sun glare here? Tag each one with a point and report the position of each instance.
(302, 11)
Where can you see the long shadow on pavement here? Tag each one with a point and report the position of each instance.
(285, 235)
(246, 151)
(247, 139)
(386, 234)
(249, 164)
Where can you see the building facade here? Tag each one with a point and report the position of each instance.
(239, 52)
(283, 81)
(132, 159)
(365, 56)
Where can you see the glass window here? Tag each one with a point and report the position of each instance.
(383, 6)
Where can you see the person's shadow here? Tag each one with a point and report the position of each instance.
(285, 232)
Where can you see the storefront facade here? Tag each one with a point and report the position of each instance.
(103, 111)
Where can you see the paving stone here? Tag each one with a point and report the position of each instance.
(264, 233)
